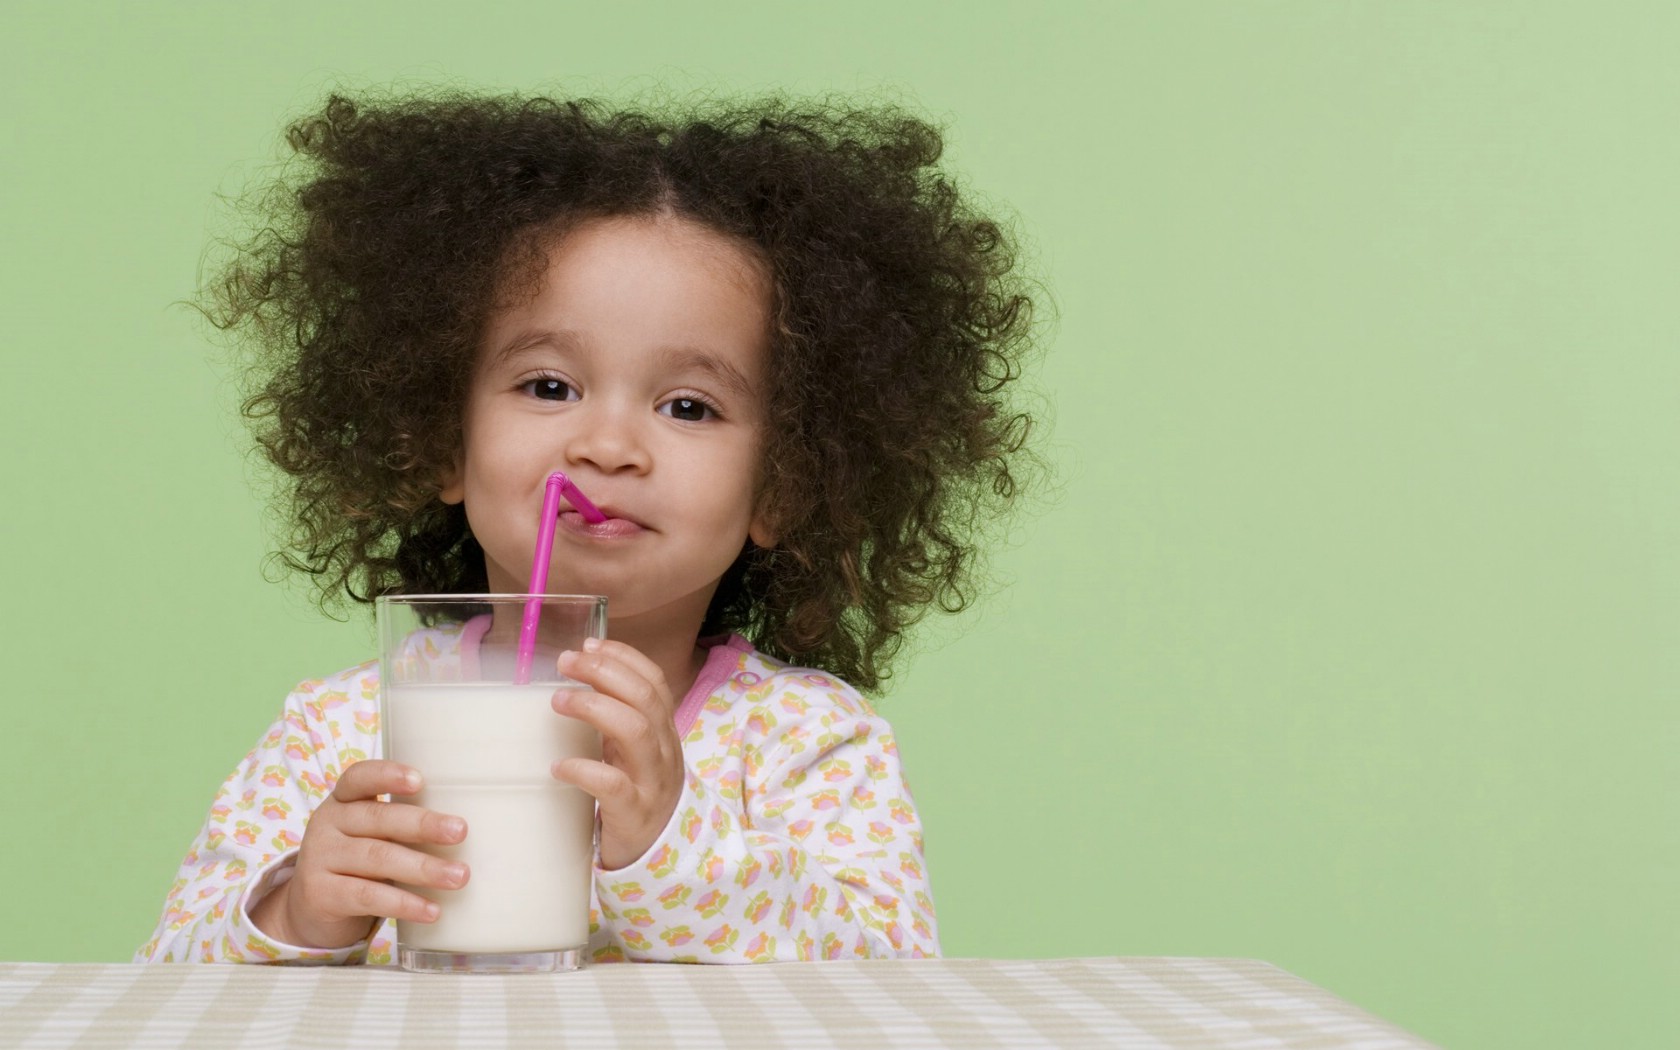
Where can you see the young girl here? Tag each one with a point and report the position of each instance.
(771, 343)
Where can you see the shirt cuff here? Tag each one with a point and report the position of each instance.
(245, 942)
(677, 835)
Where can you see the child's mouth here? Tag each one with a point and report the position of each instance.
(612, 528)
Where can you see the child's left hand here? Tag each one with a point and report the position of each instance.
(640, 777)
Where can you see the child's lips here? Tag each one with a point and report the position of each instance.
(613, 528)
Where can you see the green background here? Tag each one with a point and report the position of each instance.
(1346, 639)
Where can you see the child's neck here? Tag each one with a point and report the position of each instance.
(669, 645)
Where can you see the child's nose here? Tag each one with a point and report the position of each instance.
(610, 439)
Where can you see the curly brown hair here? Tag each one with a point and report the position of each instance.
(899, 318)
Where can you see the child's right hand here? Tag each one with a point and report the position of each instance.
(350, 855)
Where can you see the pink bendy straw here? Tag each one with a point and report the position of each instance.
(558, 485)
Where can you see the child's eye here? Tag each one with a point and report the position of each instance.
(551, 389)
(688, 409)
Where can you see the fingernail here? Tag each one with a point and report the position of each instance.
(411, 780)
(430, 910)
(591, 644)
(456, 873)
(455, 827)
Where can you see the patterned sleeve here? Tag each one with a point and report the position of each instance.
(248, 844)
(795, 838)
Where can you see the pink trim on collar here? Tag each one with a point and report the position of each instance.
(472, 633)
(721, 662)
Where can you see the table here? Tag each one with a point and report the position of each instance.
(968, 1003)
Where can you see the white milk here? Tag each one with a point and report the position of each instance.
(484, 751)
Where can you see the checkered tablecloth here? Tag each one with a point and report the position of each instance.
(968, 1003)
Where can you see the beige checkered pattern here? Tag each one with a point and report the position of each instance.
(967, 1003)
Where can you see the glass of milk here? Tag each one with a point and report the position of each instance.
(484, 746)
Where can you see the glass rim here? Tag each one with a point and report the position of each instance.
(486, 599)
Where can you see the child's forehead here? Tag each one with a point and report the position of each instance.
(660, 280)
(699, 246)
(535, 255)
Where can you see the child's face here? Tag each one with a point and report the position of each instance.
(638, 370)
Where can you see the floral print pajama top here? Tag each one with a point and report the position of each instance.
(795, 837)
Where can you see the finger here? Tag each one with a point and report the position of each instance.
(610, 786)
(624, 730)
(400, 822)
(607, 672)
(373, 777)
(351, 896)
(631, 657)
(388, 861)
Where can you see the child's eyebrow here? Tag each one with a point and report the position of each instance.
(686, 358)
(531, 339)
(670, 359)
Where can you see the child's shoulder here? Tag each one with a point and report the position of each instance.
(758, 679)
(358, 682)
(361, 682)
(770, 713)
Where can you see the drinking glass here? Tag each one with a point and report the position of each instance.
(452, 706)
